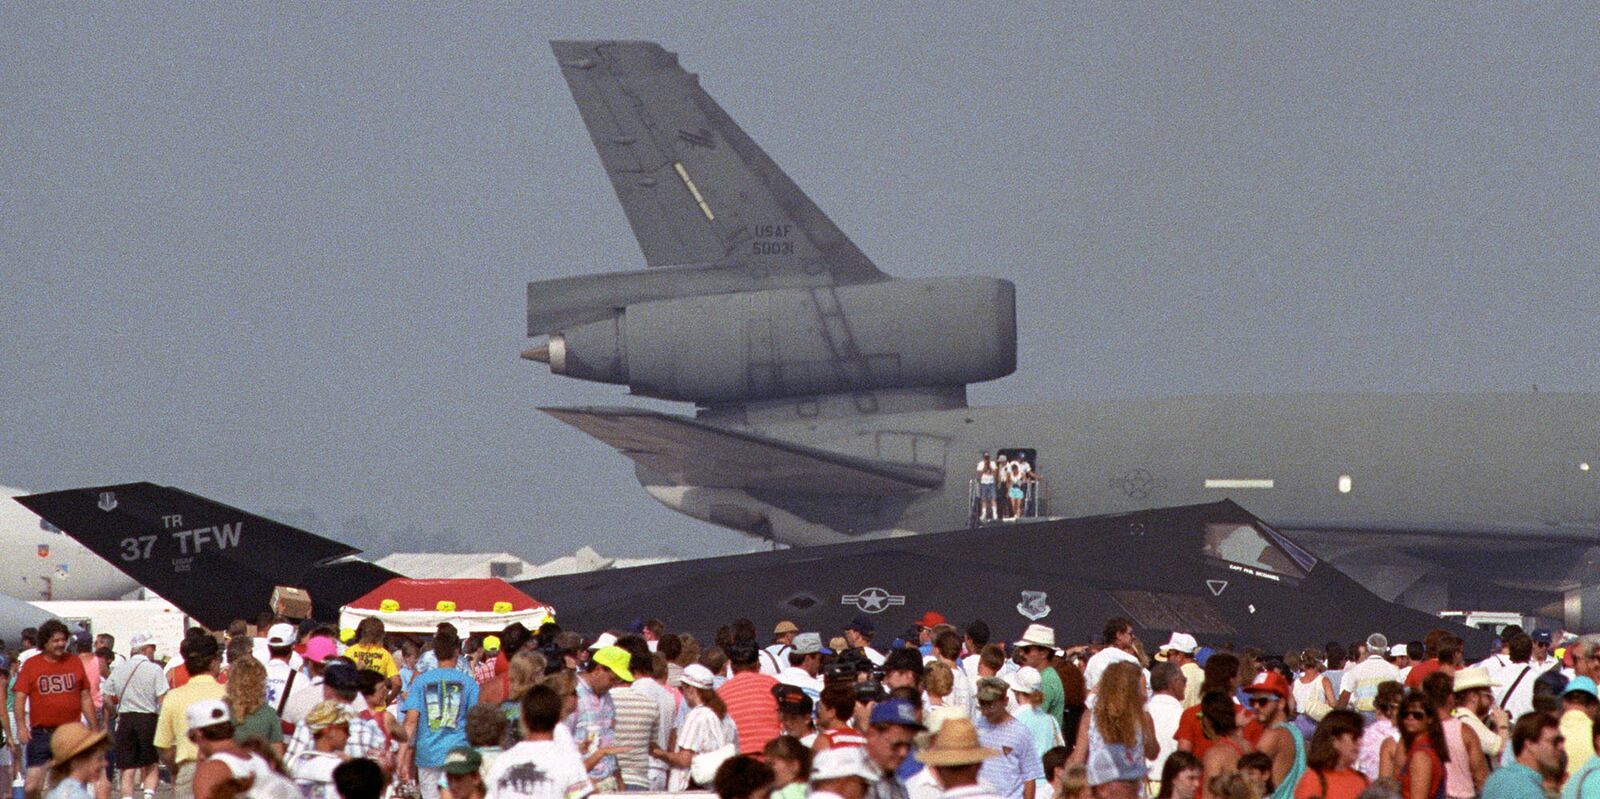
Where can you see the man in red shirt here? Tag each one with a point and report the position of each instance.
(52, 689)
(748, 695)
(1448, 660)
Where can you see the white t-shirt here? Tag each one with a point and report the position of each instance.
(265, 783)
(969, 665)
(307, 694)
(539, 770)
(312, 773)
(775, 658)
(986, 472)
(1361, 681)
(800, 678)
(1166, 711)
(277, 677)
(873, 655)
(702, 732)
(1520, 697)
(1098, 663)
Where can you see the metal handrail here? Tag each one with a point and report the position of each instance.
(1035, 499)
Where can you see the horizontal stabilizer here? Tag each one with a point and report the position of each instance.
(216, 563)
(697, 454)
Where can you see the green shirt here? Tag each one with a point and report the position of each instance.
(1055, 695)
(262, 725)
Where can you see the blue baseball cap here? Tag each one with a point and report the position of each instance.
(1583, 684)
(895, 711)
(1541, 637)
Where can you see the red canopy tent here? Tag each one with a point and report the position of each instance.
(478, 605)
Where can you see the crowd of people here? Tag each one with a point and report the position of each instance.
(281, 710)
(1003, 484)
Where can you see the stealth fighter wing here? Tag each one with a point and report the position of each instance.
(1211, 570)
(216, 563)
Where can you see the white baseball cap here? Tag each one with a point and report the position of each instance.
(207, 712)
(1181, 642)
(1026, 680)
(698, 676)
(280, 635)
(1397, 651)
(141, 640)
(831, 764)
(605, 640)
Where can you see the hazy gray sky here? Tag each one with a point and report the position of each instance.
(276, 254)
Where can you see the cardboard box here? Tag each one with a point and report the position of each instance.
(290, 602)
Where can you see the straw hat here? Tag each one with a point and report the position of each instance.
(956, 745)
(70, 740)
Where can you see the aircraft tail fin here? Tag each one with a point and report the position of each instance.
(697, 454)
(184, 546)
(695, 187)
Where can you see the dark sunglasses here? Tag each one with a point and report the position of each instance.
(1262, 701)
(1414, 714)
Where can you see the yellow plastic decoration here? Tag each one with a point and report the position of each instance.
(445, 606)
(502, 607)
(388, 606)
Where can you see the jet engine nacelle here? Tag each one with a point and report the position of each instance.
(794, 342)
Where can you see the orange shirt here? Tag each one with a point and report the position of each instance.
(1342, 783)
(753, 709)
(1420, 672)
(1192, 730)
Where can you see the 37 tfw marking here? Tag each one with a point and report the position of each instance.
(190, 542)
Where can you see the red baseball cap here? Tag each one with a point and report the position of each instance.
(932, 618)
(1269, 682)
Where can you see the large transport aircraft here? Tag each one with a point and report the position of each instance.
(43, 565)
(830, 398)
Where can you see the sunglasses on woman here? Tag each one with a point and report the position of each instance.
(1415, 714)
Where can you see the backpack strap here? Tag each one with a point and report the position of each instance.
(1514, 683)
(287, 686)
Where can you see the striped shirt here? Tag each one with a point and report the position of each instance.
(1017, 763)
(753, 709)
(365, 738)
(638, 719)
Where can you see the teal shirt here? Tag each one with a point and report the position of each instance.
(1055, 695)
(1292, 779)
(1515, 781)
(1583, 783)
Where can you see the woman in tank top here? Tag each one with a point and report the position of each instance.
(1227, 743)
(1121, 735)
(1422, 753)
